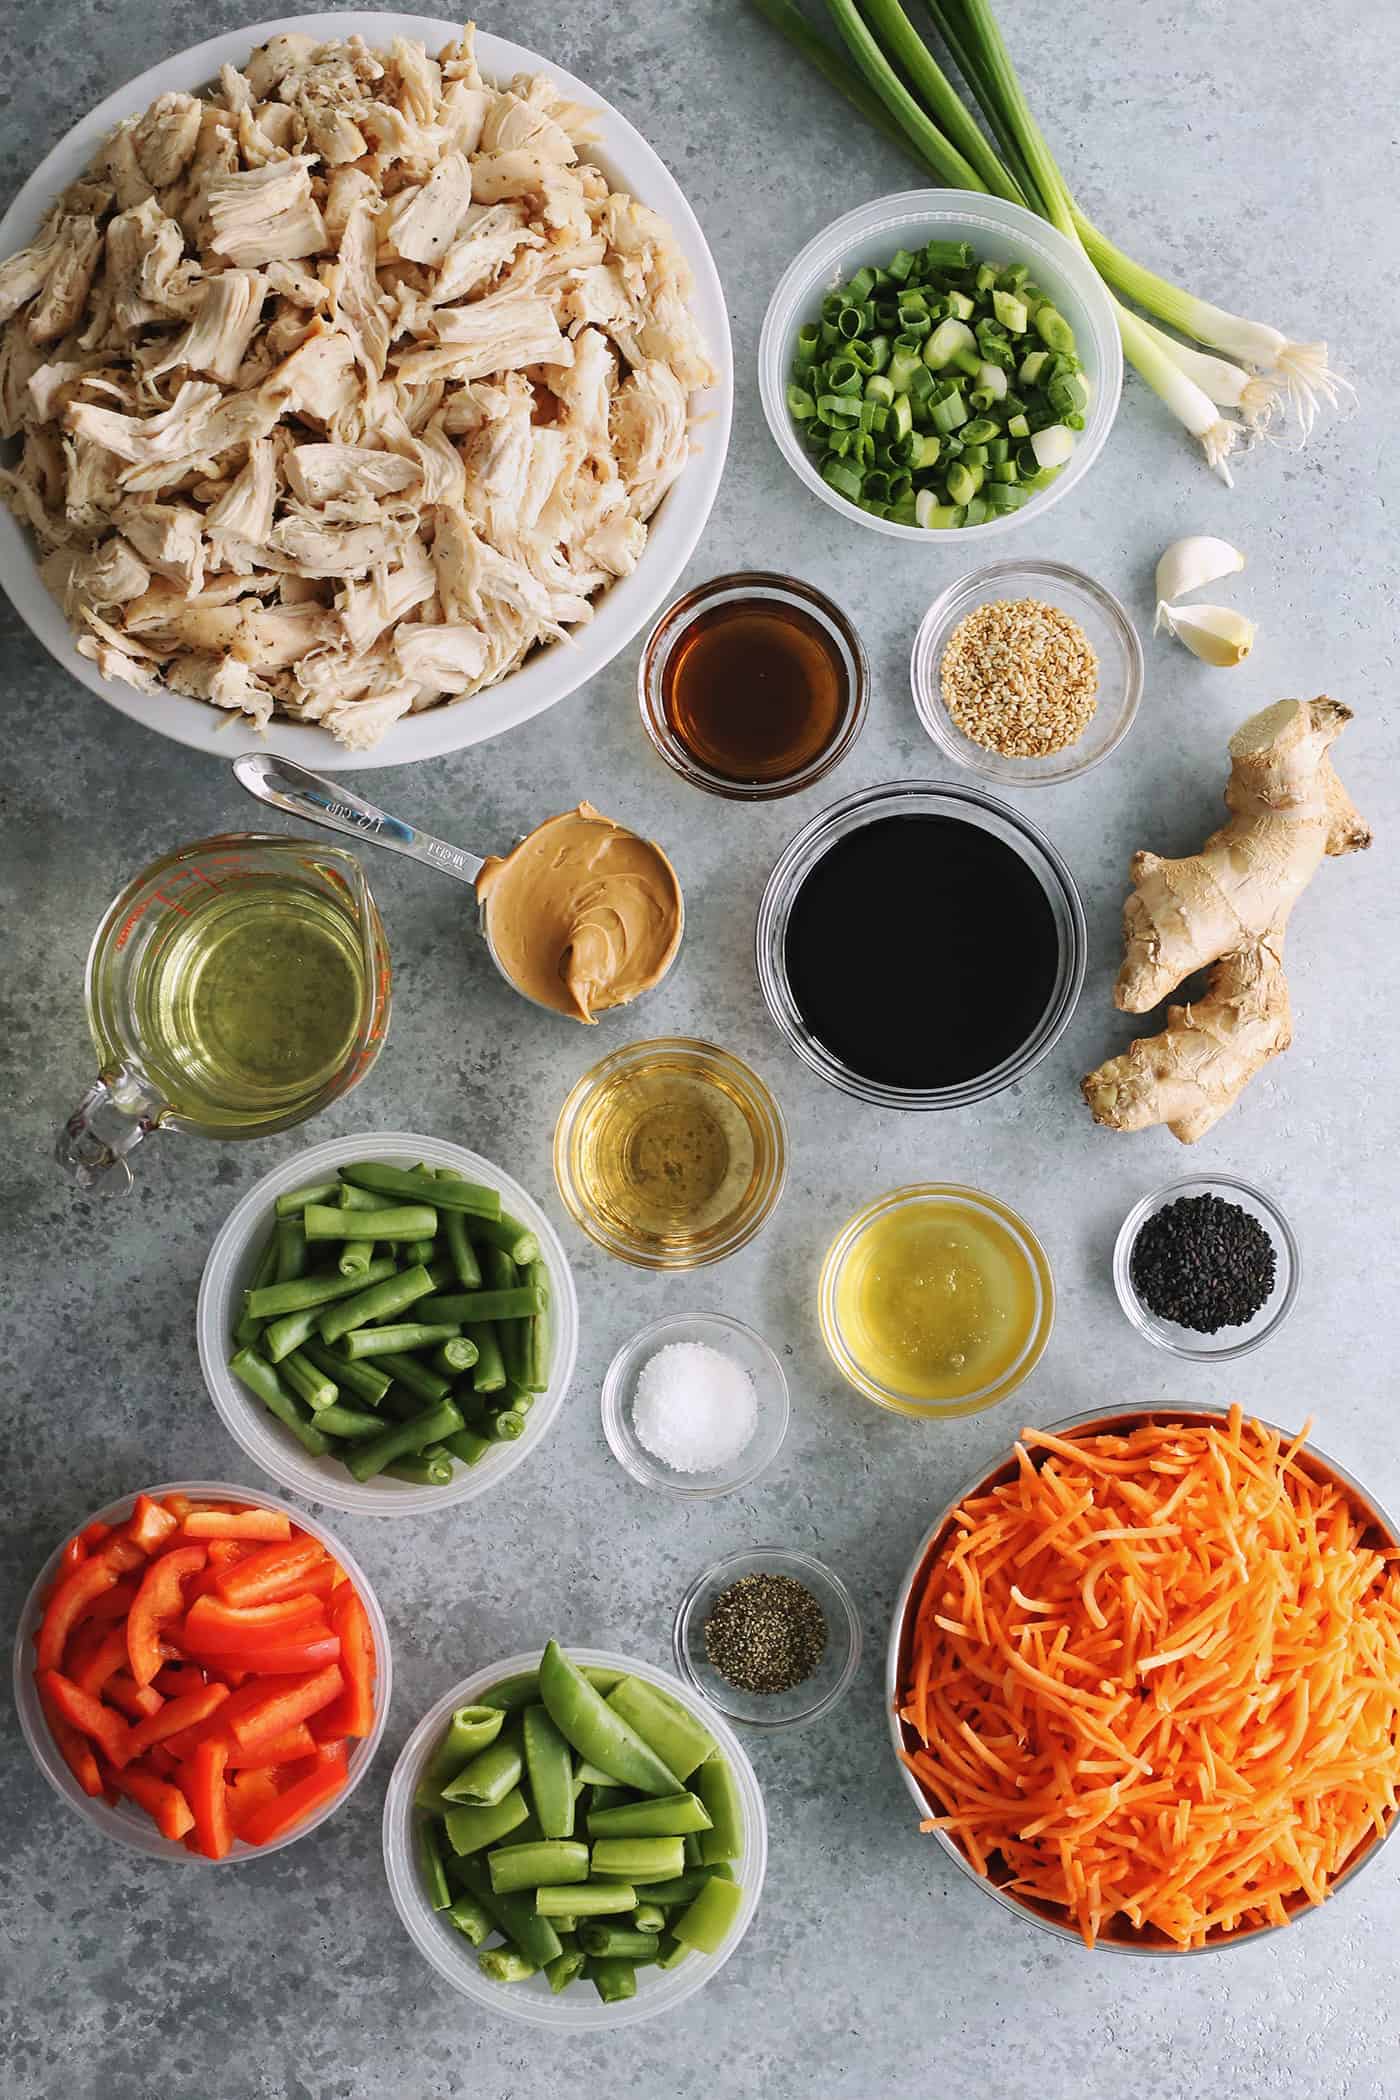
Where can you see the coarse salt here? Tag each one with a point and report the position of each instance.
(695, 1408)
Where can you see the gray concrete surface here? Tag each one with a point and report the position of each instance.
(1250, 149)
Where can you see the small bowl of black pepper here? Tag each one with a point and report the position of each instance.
(769, 1637)
(1207, 1267)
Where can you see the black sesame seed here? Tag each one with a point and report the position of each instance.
(1204, 1264)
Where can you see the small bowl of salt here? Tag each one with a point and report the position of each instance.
(696, 1405)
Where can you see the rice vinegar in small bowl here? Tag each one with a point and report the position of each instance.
(936, 1300)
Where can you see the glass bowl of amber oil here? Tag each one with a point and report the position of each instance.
(753, 686)
(670, 1153)
(936, 1300)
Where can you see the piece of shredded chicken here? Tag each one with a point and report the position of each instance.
(335, 392)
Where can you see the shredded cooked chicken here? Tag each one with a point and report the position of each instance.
(338, 390)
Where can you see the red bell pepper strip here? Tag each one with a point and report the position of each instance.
(175, 1715)
(79, 1708)
(159, 1761)
(117, 1601)
(247, 1792)
(174, 1678)
(159, 1597)
(269, 1571)
(353, 1712)
(319, 1581)
(150, 1525)
(162, 1801)
(297, 1742)
(121, 1553)
(202, 1783)
(281, 1707)
(229, 1624)
(93, 1534)
(75, 1747)
(300, 1648)
(137, 1701)
(223, 1553)
(72, 1553)
(67, 1608)
(93, 1655)
(179, 1506)
(237, 1524)
(322, 1783)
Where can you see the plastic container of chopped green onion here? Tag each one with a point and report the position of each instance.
(940, 362)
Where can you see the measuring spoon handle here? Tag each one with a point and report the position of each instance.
(284, 785)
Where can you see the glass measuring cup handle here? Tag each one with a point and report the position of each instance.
(114, 1116)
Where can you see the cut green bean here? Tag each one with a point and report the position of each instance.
(340, 1420)
(431, 1866)
(649, 1917)
(397, 1339)
(464, 1308)
(706, 1923)
(564, 1969)
(489, 1776)
(261, 1378)
(429, 1469)
(247, 1328)
(471, 1829)
(682, 1888)
(386, 1296)
(663, 1815)
(355, 1257)
(454, 1356)
(507, 1426)
(507, 1234)
(550, 1772)
(366, 1381)
(417, 1378)
(547, 1862)
(585, 1899)
(460, 1252)
(296, 1200)
(536, 1352)
(624, 1941)
(613, 1979)
(679, 1740)
(505, 1965)
(489, 1372)
(309, 1384)
(449, 1194)
(469, 1447)
(291, 1250)
(408, 1221)
(403, 1441)
(716, 1785)
(639, 1858)
(271, 1300)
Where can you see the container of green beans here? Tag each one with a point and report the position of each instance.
(463, 1926)
(393, 1374)
(939, 362)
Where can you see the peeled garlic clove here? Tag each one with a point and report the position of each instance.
(1216, 633)
(1189, 565)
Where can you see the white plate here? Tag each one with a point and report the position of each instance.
(631, 166)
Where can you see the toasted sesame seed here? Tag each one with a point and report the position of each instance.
(1020, 678)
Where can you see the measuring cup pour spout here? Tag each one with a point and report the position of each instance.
(115, 1114)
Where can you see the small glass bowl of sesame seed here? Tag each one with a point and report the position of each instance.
(1236, 1335)
(786, 1672)
(1027, 672)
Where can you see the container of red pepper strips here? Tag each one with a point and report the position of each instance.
(202, 1672)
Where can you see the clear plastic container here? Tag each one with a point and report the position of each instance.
(1227, 1342)
(127, 1823)
(1000, 233)
(578, 2010)
(1109, 630)
(733, 1339)
(228, 1273)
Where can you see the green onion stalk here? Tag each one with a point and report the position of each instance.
(899, 87)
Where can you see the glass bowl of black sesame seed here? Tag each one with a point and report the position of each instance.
(770, 1637)
(1207, 1267)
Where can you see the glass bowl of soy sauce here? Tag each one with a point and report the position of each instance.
(921, 945)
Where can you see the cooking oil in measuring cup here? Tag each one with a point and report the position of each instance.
(233, 989)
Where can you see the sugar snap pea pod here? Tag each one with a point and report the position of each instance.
(366, 1381)
(403, 1221)
(549, 1770)
(469, 1447)
(417, 1377)
(671, 1952)
(639, 1858)
(447, 1193)
(692, 1849)
(613, 1978)
(309, 1384)
(492, 1774)
(291, 1250)
(520, 1302)
(471, 1918)
(598, 1938)
(246, 1328)
(469, 1729)
(387, 1294)
(260, 1377)
(600, 1781)
(665, 1815)
(585, 1899)
(716, 1786)
(454, 1356)
(507, 1426)
(705, 1923)
(672, 1730)
(514, 1915)
(396, 1339)
(460, 1252)
(471, 1829)
(343, 1421)
(405, 1440)
(431, 1469)
(549, 1861)
(565, 1927)
(505, 1965)
(294, 1201)
(564, 1969)
(601, 1736)
(516, 1241)
(430, 1865)
(351, 1198)
(536, 1352)
(524, 1690)
(649, 1917)
(271, 1300)
(489, 1371)
(682, 1888)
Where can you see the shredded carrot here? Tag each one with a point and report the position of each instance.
(1153, 1680)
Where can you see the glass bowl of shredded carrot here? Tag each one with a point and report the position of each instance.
(1144, 1679)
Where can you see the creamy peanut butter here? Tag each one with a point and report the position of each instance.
(582, 914)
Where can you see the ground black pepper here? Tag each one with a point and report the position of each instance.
(1203, 1263)
(765, 1633)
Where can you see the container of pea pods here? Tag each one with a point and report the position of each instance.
(392, 1374)
(938, 362)
(464, 1868)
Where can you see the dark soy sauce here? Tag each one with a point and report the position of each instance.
(921, 951)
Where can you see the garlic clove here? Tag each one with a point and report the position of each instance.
(1189, 565)
(1217, 634)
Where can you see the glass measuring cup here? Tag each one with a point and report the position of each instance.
(235, 987)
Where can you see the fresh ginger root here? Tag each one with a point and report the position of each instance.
(1228, 906)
